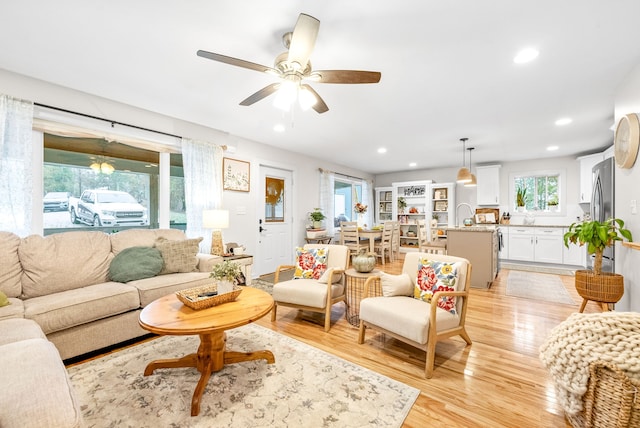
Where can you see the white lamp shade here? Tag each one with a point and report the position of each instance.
(215, 219)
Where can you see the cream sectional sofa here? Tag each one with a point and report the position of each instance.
(62, 282)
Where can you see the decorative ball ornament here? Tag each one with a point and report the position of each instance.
(626, 140)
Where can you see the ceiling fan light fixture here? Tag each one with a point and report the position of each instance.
(95, 167)
(106, 168)
(287, 94)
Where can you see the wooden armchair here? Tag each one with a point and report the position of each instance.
(315, 295)
(411, 320)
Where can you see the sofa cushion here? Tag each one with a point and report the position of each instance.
(151, 289)
(434, 276)
(63, 261)
(310, 263)
(10, 268)
(135, 263)
(37, 391)
(17, 329)
(142, 238)
(4, 300)
(14, 310)
(70, 308)
(178, 256)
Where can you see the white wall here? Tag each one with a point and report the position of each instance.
(243, 228)
(627, 260)
(570, 165)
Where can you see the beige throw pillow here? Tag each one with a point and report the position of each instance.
(396, 285)
(178, 256)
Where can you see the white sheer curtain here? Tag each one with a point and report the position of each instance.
(327, 182)
(16, 163)
(202, 165)
(367, 199)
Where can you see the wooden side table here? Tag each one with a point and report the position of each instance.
(319, 240)
(355, 292)
(246, 262)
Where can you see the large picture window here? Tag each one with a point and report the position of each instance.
(541, 191)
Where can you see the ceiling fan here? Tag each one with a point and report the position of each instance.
(294, 67)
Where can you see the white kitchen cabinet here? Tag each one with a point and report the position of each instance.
(586, 175)
(504, 251)
(536, 244)
(488, 188)
(574, 255)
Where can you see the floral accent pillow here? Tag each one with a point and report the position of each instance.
(310, 263)
(436, 276)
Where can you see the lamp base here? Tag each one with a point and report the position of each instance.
(217, 249)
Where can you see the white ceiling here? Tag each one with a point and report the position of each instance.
(447, 70)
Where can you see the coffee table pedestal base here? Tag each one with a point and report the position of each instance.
(211, 357)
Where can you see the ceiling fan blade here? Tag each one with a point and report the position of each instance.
(345, 76)
(320, 106)
(262, 93)
(303, 40)
(237, 62)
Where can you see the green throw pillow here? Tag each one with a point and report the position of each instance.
(135, 263)
(4, 300)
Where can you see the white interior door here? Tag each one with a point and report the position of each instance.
(275, 221)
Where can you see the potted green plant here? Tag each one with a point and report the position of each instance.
(521, 198)
(316, 217)
(225, 274)
(604, 287)
(552, 204)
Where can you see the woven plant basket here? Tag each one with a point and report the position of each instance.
(606, 287)
(612, 399)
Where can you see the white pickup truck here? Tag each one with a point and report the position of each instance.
(107, 208)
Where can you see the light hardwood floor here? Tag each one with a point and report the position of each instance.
(498, 381)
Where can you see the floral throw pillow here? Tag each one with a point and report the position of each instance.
(310, 263)
(436, 276)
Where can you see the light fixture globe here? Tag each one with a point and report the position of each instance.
(464, 175)
(473, 182)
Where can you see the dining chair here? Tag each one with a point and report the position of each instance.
(424, 245)
(395, 240)
(350, 237)
(382, 247)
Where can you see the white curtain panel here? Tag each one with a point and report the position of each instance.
(16, 154)
(327, 182)
(367, 199)
(202, 164)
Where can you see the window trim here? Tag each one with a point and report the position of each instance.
(562, 207)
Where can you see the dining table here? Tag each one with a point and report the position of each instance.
(371, 235)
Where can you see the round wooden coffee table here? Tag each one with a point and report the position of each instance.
(168, 316)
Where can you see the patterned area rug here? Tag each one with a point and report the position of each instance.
(538, 286)
(306, 387)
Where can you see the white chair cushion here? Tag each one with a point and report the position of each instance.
(405, 316)
(307, 292)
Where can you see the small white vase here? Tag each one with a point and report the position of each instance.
(225, 286)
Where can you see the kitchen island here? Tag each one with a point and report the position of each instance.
(479, 245)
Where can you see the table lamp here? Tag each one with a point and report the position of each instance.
(216, 220)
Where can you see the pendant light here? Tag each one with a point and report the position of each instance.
(464, 175)
(473, 182)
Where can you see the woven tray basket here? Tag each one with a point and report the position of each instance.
(190, 296)
(612, 399)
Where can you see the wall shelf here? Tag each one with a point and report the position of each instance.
(632, 245)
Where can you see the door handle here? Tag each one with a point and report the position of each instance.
(261, 229)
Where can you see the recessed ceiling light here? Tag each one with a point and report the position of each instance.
(526, 55)
(413, 164)
(382, 150)
(279, 127)
(564, 121)
(552, 148)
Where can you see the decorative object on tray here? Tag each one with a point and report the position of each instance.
(364, 261)
(225, 274)
(206, 296)
(603, 287)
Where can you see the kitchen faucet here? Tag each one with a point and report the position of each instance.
(458, 206)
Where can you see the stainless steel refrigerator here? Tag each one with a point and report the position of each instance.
(602, 205)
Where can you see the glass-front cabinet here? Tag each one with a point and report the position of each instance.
(384, 204)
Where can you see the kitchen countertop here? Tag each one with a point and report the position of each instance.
(535, 225)
(492, 227)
